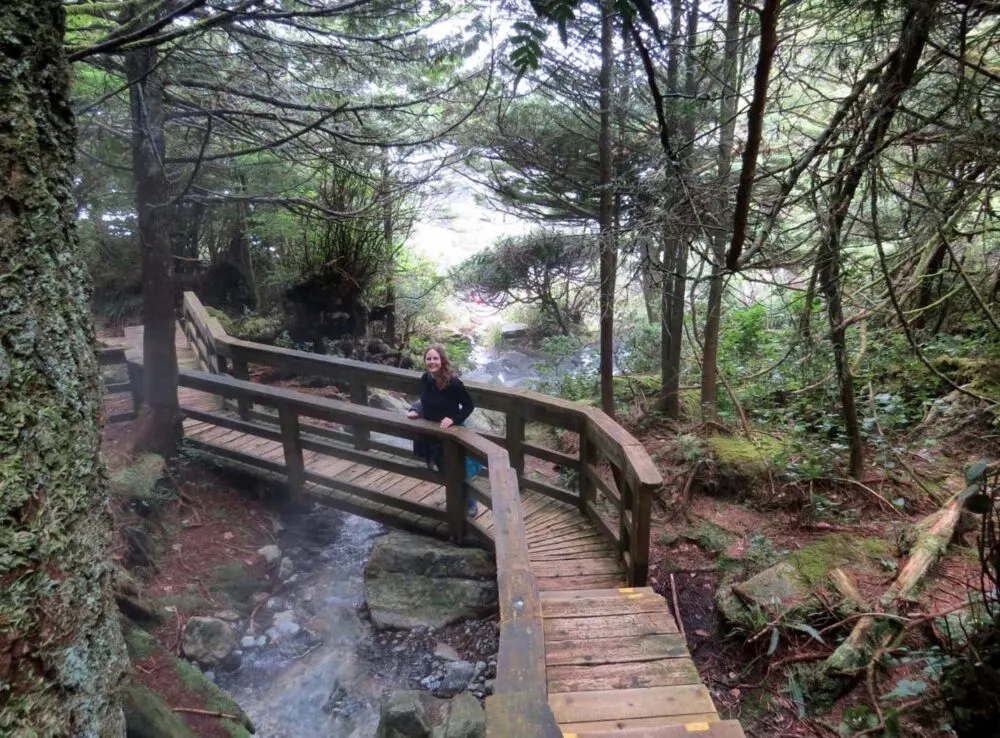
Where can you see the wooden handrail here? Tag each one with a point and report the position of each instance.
(635, 476)
(519, 705)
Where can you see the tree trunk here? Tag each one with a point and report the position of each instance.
(898, 76)
(390, 290)
(724, 157)
(674, 260)
(609, 247)
(160, 425)
(62, 657)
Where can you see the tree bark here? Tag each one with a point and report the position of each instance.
(727, 131)
(674, 261)
(388, 228)
(62, 657)
(606, 215)
(160, 426)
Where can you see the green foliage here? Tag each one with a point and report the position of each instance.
(560, 376)
(551, 270)
(638, 350)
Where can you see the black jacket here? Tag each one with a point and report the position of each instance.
(451, 402)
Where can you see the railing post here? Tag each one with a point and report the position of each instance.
(515, 441)
(642, 504)
(241, 370)
(295, 466)
(454, 486)
(588, 456)
(626, 510)
(135, 380)
(359, 396)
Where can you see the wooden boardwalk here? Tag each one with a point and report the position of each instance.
(615, 663)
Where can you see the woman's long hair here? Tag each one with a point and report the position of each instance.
(447, 373)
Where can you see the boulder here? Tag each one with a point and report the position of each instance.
(404, 715)
(384, 401)
(405, 553)
(207, 640)
(514, 330)
(411, 714)
(466, 718)
(271, 554)
(457, 676)
(411, 581)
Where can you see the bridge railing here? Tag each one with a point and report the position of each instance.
(114, 356)
(612, 478)
(519, 704)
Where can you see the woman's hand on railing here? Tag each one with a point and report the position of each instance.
(413, 414)
(447, 423)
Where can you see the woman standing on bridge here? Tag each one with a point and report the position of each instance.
(444, 399)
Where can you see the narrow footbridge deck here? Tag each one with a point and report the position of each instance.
(586, 649)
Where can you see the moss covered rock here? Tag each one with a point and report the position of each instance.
(411, 581)
(788, 588)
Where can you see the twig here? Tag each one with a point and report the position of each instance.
(209, 713)
(870, 491)
(677, 609)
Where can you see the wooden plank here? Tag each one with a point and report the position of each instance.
(587, 541)
(559, 540)
(516, 714)
(608, 489)
(625, 704)
(591, 548)
(600, 626)
(553, 583)
(579, 568)
(600, 606)
(615, 650)
(672, 726)
(604, 594)
(632, 675)
(607, 553)
(386, 501)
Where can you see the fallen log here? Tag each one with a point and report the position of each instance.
(932, 536)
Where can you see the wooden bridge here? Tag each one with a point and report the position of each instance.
(586, 649)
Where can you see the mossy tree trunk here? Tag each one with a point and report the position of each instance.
(61, 652)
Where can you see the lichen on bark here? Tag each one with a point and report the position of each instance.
(61, 650)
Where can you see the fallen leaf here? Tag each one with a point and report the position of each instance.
(702, 633)
(227, 536)
(735, 691)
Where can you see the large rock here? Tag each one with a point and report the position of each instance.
(207, 640)
(514, 330)
(466, 719)
(774, 592)
(412, 581)
(384, 401)
(411, 714)
(404, 715)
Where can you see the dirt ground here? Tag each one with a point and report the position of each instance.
(693, 547)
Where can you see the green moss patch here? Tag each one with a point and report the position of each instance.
(735, 454)
(140, 644)
(815, 561)
(215, 699)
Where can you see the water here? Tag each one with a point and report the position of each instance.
(286, 689)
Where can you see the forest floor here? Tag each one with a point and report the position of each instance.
(732, 528)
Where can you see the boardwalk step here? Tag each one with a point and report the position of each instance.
(691, 729)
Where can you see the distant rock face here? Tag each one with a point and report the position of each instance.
(411, 714)
(384, 401)
(514, 330)
(209, 641)
(412, 581)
